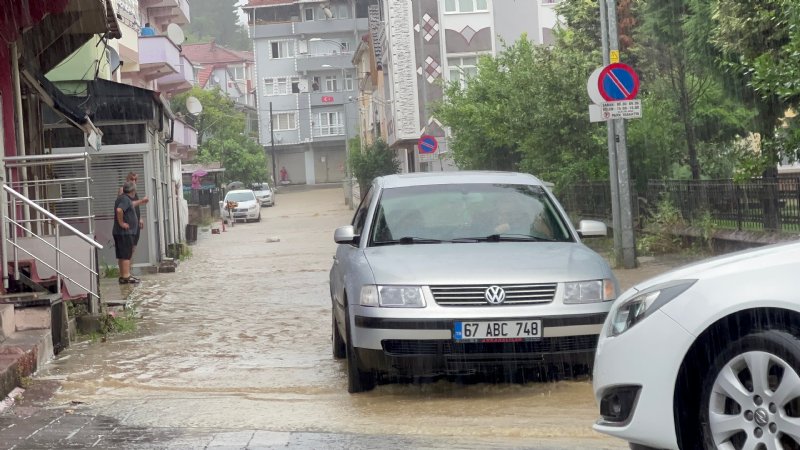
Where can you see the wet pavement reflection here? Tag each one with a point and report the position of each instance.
(239, 338)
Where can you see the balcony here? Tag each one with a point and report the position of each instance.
(178, 82)
(185, 139)
(314, 63)
(165, 12)
(158, 57)
(317, 27)
(329, 98)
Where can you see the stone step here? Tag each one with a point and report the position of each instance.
(21, 355)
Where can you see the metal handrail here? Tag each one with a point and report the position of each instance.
(51, 157)
(19, 247)
(58, 220)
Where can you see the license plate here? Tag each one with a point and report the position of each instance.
(498, 330)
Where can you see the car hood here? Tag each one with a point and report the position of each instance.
(263, 193)
(734, 263)
(246, 204)
(485, 262)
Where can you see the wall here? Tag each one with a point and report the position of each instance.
(514, 17)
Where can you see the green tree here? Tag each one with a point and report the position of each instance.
(527, 110)
(221, 136)
(375, 160)
(217, 20)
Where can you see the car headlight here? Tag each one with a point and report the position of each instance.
(252, 207)
(637, 308)
(594, 291)
(392, 296)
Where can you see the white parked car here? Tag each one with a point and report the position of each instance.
(706, 356)
(247, 206)
(264, 194)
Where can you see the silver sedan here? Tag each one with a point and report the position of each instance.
(463, 272)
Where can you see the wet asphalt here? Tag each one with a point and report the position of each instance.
(233, 351)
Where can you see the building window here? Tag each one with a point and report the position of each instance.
(284, 121)
(330, 124)
(462, 68)
(282, 49)
(348, 82)
(465, 6)
(309, 14)
(315, 84)
(269, 86)
(331, 84)
(295, 85)
(238, 73)
(281, 86)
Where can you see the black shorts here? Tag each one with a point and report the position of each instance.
(136, 238)
(124, 243)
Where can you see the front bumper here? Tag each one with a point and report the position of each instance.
(638, 369)
(425, 347)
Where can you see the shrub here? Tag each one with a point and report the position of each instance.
(375, 160)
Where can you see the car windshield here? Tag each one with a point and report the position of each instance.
(261, 187)
(240, 196)
(466, 213)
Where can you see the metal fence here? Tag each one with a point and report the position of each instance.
(753, 205)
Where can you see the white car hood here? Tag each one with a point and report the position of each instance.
(246, 204)
(729, 264)
(485, 262)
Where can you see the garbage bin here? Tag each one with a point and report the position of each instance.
(191, 233)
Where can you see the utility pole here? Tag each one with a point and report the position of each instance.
(272, 145)
(624, 242)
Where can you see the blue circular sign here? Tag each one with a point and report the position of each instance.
(427, 144)
(618, 82)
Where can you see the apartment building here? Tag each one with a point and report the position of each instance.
(305, 75)
(417, 45)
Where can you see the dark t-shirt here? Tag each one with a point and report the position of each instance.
(125, 203)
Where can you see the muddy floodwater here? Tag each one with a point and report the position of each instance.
(239, 338)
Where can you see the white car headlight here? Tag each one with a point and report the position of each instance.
(252, 207)
(634, 310)
(392, 296)
(594, 291)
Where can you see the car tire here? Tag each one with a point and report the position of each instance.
(357, 380)
(337, 341)
(731, 391)
(259, 218)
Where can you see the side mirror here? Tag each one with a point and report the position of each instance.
(590, 228)
(344, 235)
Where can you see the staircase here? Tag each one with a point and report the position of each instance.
(47, 261)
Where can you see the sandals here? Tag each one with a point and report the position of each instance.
(129, 280)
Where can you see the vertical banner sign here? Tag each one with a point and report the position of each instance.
(376, 31)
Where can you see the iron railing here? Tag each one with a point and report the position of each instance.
(754, 205)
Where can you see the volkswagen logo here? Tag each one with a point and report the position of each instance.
(495, 295)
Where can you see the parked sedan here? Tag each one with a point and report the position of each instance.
(264, 194)
(707, 356)
(464, 272)
(246, 208)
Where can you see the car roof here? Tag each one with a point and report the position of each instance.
(239, 191)
(459, 177)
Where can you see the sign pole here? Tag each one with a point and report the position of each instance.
(612, 149)
(622, 172)
(272, 147)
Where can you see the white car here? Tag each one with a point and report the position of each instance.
(264, 194)
(247, 206)
(706, 356)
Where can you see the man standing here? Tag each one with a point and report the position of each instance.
(126, 228)
(133, 178)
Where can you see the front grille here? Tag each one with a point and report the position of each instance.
(565, 344)
(240, 210)
(516, 294)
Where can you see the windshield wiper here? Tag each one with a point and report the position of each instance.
(505, 237)
(406, 240)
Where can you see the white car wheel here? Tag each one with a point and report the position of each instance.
(752, 394)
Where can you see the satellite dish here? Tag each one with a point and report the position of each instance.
(113, 59)
(194, 106)
(175, 33)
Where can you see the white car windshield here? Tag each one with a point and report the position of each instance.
(466, 213)
(240, 196)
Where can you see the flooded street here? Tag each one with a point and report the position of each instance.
(239, 339)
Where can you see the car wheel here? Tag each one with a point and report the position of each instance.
(357, 380)
(339, 346)
(751, 394)
(259, 218)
